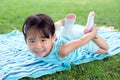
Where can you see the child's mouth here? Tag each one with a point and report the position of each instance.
(40, 53)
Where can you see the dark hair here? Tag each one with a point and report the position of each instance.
(42, 22)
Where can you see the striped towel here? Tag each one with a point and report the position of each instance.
(16, 61)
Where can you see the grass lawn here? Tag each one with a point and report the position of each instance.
(14, 12)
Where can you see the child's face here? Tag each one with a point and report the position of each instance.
(38, 45)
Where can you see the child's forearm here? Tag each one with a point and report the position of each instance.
(58, 24)
(85, 39)
(66, 48)
(101, 42)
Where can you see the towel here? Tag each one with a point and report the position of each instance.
(16, 61)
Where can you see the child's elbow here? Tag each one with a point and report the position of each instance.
(107, 50)
(103, 51)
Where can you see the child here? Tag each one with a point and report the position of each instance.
(39, 32)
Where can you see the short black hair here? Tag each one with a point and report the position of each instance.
(42, 22)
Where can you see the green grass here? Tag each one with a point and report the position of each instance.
(14, 12)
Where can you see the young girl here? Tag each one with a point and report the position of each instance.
(39, 32)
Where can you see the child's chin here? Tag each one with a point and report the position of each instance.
(40, 56)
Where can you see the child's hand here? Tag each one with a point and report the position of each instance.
(94, 30)
(59, 23)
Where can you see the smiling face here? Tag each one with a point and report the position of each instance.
(38, 44)
(39, 34)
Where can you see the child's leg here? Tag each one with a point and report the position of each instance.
(90, 22)
(69, 21)
(68, 26)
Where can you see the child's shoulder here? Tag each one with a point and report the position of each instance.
(59, 41)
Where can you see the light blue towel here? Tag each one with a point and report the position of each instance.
(16, 61)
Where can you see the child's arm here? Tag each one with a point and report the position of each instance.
(103, 46)
(66, 48)
(58, 24)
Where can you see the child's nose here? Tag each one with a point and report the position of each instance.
(38, 45)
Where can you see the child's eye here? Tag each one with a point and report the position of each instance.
(43, 40)
(31, 41)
